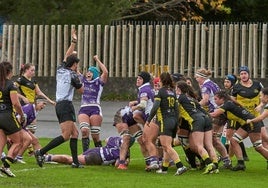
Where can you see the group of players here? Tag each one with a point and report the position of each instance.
(168, 114)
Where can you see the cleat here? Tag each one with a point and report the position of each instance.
(209, 168)
(180, 171)
(153, 166)
(227, 165)
(215, 171)
(77, 165)
(7, 171)
(122, 167)
(20, 161)
(39, 158)
(160, 171)
(239, 167)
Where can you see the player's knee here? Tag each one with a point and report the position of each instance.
(236, 137)
(137, 134)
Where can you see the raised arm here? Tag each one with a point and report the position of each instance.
(103, 68)
(72, 46)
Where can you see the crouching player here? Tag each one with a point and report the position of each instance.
(29, 127)
(128, 128)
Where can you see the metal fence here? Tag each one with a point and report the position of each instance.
(127, 49)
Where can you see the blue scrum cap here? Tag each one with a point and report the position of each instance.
(243, 68)
(95, 72)
(232, 78)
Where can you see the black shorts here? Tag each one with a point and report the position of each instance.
(233, 125)
(65, 111)
(168, 126)
(252, 127)
(9, 123)
(202, 123)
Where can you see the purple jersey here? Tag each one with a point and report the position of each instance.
(146, 91)
(110, 152)
(210, 88)
(92, 91)
(29, 110)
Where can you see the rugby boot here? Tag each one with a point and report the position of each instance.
(239, 167)
(180, 171)
(7, 171)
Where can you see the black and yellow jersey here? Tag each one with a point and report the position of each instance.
(165, 105)
(236, 112)
(248, 97)
(27, 88)
(5, 100)
(188, 108)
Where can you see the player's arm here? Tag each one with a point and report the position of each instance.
(217, 112)
(104, 75)
(72, 45)
(259, 118)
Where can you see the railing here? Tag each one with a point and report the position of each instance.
(127, 49)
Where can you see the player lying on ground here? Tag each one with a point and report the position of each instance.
(106, 155)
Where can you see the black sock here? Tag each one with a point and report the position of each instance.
(52, 144)
(242, 146)
(207, 161)
(227, 147)
(7, 161)
(85, 144)
(98, 144)
(241, 162)
(73, 147)
(191, 157)
(179, 165)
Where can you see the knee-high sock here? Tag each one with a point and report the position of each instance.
(243, 149)
(73, 147)
(52, 144)
(85, 144)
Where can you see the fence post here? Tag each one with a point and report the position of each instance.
(264, 51)
(230, 49)
(150, 48)
(183, 49)
(137, 50)
(16, 66)
(197, 47)
(255, 61)
(223, 51)
(130, 51)
(210, 46)
(22, 42)
(28, 43)
(124, 51)
(111, 59)
(190, 50)
(41, 50)
(176, 49)
(216, 50)
(34, 46)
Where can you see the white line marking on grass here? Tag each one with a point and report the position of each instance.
(32, 169)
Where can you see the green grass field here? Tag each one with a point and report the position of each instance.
(57, 175)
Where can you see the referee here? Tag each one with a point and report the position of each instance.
(67, 81)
